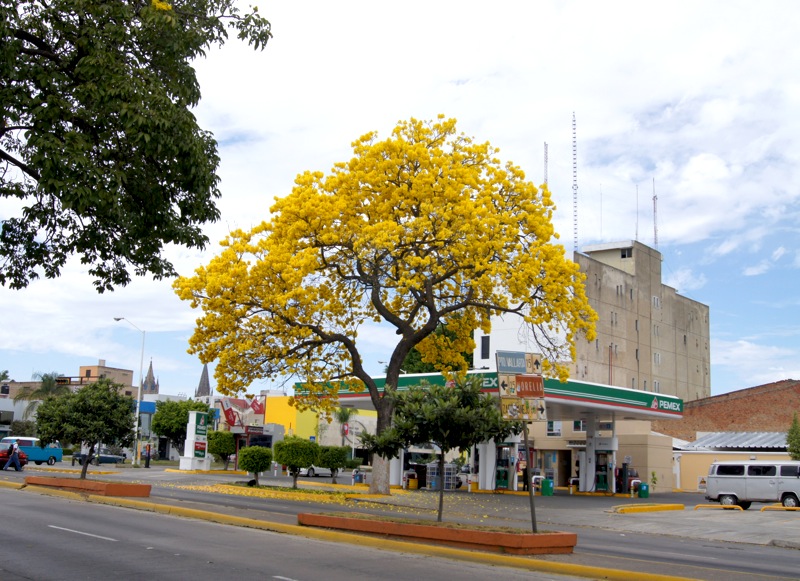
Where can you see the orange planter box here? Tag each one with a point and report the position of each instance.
(92, 486)
(513, 543)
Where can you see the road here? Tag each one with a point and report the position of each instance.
(667, 543)
(63, 540)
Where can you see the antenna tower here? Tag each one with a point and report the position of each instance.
(655, 216)
(545, 163)
(574, 184)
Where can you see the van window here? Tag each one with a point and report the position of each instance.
(762, 470)
(730, 470)
(790, 470)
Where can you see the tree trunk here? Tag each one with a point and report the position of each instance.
(380, 466)
(86, 460)
(441, 484)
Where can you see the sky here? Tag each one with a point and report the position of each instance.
(695, 103)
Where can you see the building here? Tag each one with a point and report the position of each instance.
(649, 339)
(91, 373)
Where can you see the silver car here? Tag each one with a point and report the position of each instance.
(312, 471)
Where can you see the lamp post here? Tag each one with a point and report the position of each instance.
(138, 455)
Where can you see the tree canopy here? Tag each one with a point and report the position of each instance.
(296, 453)
(452, 418)
(422, 229)
(97, 138)
(793, 439)
(94, 414)
(255, 459)
(223, 444)
(47, 387)
(172, 417)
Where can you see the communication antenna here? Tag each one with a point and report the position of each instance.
(574, 184)
(655, 216)
(545, 163)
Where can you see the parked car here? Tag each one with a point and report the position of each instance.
(312, 471)
(35, 453)
(23, 457)
(103, 456)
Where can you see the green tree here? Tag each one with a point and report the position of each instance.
(23, 428)
(333, 458)
(221, 443)
(255, 459)
(171, 419)
(793, 439)
(48, 386)
(296, 453)
(97, 135)
(94, 414)
(449, 417)
(343, 417)
(423, 229)
(4, 375)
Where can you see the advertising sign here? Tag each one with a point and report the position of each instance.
(230, 414)
(199, 449)
(257, 406)
(201, 425)
(530, 386)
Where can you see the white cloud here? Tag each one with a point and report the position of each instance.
(684, 279)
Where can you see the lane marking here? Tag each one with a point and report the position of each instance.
(83, 533)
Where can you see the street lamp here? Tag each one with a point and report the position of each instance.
(139, 395)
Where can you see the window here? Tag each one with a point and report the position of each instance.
(637, 354)
(626, 253)
(485, 347)
(790, 470)
(730, 470)
(657, 302)
(633, 382)
(767, 470)
(644, 385)
(656, 386)
(554, 428)
(579, 425)
(4, 390)
(88, 373)
(657, 358)
(636, 324)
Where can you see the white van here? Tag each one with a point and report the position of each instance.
(744, 482)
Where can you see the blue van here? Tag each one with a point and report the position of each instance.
(51, 453)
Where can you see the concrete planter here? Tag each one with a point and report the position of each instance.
(91, 486)
(513, 543)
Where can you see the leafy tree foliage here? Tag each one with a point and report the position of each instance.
(94, 414)
(793, 439)
(296, 453)
(97, 137)
(221, 443)
(46, 388)
(451, 417)
(23, 428)
(4, 375)
(334, 458)
(255, 459)
(423, 229)
(172, 417)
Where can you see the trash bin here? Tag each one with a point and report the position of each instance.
(359, 478)
(644, 490)
(413, 482)
(434, 483)
(547, 487)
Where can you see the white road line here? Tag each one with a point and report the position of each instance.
(82, 533)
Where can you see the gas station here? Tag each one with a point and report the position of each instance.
(597, 407)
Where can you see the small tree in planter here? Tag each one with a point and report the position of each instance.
(450, 417)
(653, 480)
(222, 444)
(296, 453)
(255, 459)
(334, 458)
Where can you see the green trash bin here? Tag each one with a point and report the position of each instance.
(547, 487)
(644, 490)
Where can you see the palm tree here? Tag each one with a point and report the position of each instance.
(48, 387)
(343, 416)
(4, 375)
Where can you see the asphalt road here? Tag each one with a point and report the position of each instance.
(713, 545)
(61, 540)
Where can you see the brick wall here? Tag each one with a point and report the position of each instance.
(765, 408)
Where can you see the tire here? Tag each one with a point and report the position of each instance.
(745, 504)
(51, 460)
(37, 462)
(727, 500)
(310, 473)
(790, 501)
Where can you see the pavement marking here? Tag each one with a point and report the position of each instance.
(83, 533)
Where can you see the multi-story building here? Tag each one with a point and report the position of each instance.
(649, 338)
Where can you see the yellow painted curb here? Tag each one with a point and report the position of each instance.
(718, 506)
(630, 508)
(11, 484)
(234, 472)
(778, 507)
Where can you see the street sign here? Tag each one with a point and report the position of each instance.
(507, 384)
(514, 408)
(510, 362)
(530, 386)
(533, 363)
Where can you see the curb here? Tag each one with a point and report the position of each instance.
(625, 509)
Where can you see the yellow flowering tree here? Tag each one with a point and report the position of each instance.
(422, 229)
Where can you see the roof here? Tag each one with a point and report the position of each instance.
(739, 441)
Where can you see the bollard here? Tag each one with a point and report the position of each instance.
(570, 488)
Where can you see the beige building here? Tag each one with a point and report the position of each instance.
(91, 373)
(649, 338)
